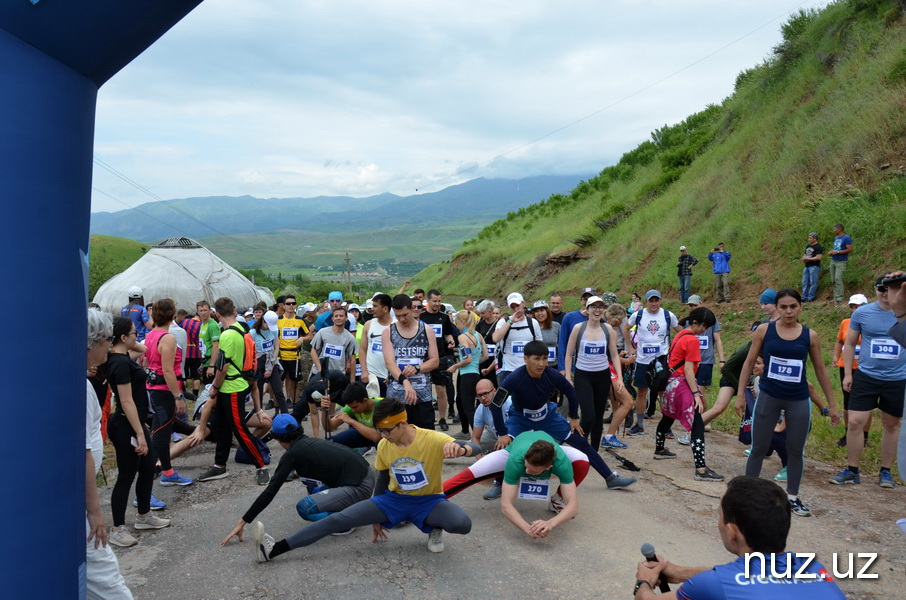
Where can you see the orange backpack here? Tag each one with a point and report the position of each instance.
(249, 367)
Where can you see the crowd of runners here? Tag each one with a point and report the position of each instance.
(530, 391)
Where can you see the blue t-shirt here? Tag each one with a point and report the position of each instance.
(325, 319)
(529, 393)
(728, 582)
(840, 243)
(570, 320)
(139, 316)
(492, 417)
(880, 356)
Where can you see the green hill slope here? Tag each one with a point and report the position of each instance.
(815, 135)
(111, 255)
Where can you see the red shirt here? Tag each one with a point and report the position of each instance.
(685, 348)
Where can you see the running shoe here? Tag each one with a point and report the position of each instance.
(435, 540)
(615, 482)
(611, 441)
(347, 532)
(263, 476)
(264, 543)
(663, 454)
(151, 521)
(747, 451)
(842, 441)
(556, 503)
(781, 475)
(885, 480)
(213, 473)
(799, 508)
(845, 476)
(155, 503)
(443, 425)
(493, 493)
(176, 438)
(636, 430)
(685, 440)
(670, 435)
(708, 475)
(120, 536)
(174, 479)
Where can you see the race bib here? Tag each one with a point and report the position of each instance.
(358, 370)
(885, 349)
(551, 353)
(403, 362)
(333, 351)
(492, 350)
(703, 342)
(858, 349)
(438, 329)
(267, 346)
(517, 348)
(785, 369)
(289, 333)
(594, 348)
(410, 478)
(535, 415)
(377, 346)
(650, 349)
(531, 489)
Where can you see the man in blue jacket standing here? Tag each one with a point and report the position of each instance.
(721, 259)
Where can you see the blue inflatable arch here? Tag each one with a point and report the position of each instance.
(54, 56)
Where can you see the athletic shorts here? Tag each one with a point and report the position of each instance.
(869, 393)
(291, 369)
(554, 424)
(705, 375)
(192, 367)
(402, 507)
(640, 379)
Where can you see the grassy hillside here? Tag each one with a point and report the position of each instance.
(813, 136)
(110, 255)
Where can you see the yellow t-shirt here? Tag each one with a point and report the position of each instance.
(416, 469)
(288, 331)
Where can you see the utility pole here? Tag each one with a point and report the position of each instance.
(348, 275)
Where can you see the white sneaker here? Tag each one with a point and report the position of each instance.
(435, 543)
(152, 521)
(556, 504)
(685, 440)
(120, 536)
(264, 543)
(347, 532)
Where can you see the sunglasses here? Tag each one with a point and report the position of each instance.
(289, 304)
(881, 288)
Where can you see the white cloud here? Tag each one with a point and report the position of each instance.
(284, 98)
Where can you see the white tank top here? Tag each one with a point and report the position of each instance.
(591, 355)
(375, 357)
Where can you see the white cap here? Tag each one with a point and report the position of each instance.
(514, 298)
(682, 247)
(135, 292)
(859, 299)
(595, 300)
(353, 306)
(270, 319)
(309, 307)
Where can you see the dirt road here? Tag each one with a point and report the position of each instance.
(594, 556)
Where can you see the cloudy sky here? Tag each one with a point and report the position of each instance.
(303, 98)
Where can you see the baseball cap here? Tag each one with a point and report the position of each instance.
(309, 307)
(769, 296)
(859, 299)
(514, 298)
(682, 247)
(694, 299)
(270, 319)
(540, 304)
(595, 300)
(609, 298)
(335, 296)
(589, 290)
(248, 312)
(284, 423)
(135, 292)
(353, 306)
(652, 294)
(369, 304)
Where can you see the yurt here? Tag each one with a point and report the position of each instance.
(182, 269)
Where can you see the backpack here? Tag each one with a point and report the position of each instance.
(501, 345)
(249, 367)
(638, 319)
(582, 332)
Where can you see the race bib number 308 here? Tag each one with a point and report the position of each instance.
(885, 349)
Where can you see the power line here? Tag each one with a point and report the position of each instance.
(140, 211)
(612, 104)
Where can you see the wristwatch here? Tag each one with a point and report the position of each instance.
(418, 368)
(638, 584)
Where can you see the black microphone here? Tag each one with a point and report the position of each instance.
(650, 556)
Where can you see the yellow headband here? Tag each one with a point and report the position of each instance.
(391, 420)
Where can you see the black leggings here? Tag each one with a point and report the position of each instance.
(276, 382)
(465, 399)
(698, 437)
(593, 390)
(129, 464)
(164, 405)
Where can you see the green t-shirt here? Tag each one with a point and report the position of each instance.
(363, 418)
(515, 464)
(232, 346)
(209, 333)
